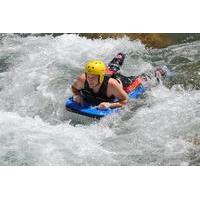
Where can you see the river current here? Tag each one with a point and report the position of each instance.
(161, 128)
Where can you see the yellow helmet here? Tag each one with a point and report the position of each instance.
(96, 67)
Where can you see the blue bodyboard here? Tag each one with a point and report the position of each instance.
(90, 110)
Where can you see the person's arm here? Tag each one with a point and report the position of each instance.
(115, 89)
(77, 85)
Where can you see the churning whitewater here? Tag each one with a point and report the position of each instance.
(161, 128)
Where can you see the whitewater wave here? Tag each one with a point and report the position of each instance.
(162, 128)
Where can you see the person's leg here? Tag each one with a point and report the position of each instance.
(117, 62)
(159, 73)
(125, 80)
(154, 77)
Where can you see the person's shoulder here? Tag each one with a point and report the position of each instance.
(81, 77)
(79, 81)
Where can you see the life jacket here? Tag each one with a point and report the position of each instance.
(99, 97)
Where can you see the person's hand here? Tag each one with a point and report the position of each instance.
(77, 99)
(104, 105)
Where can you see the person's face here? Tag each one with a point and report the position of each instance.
(93, 80)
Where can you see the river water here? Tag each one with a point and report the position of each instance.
(161, 128)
